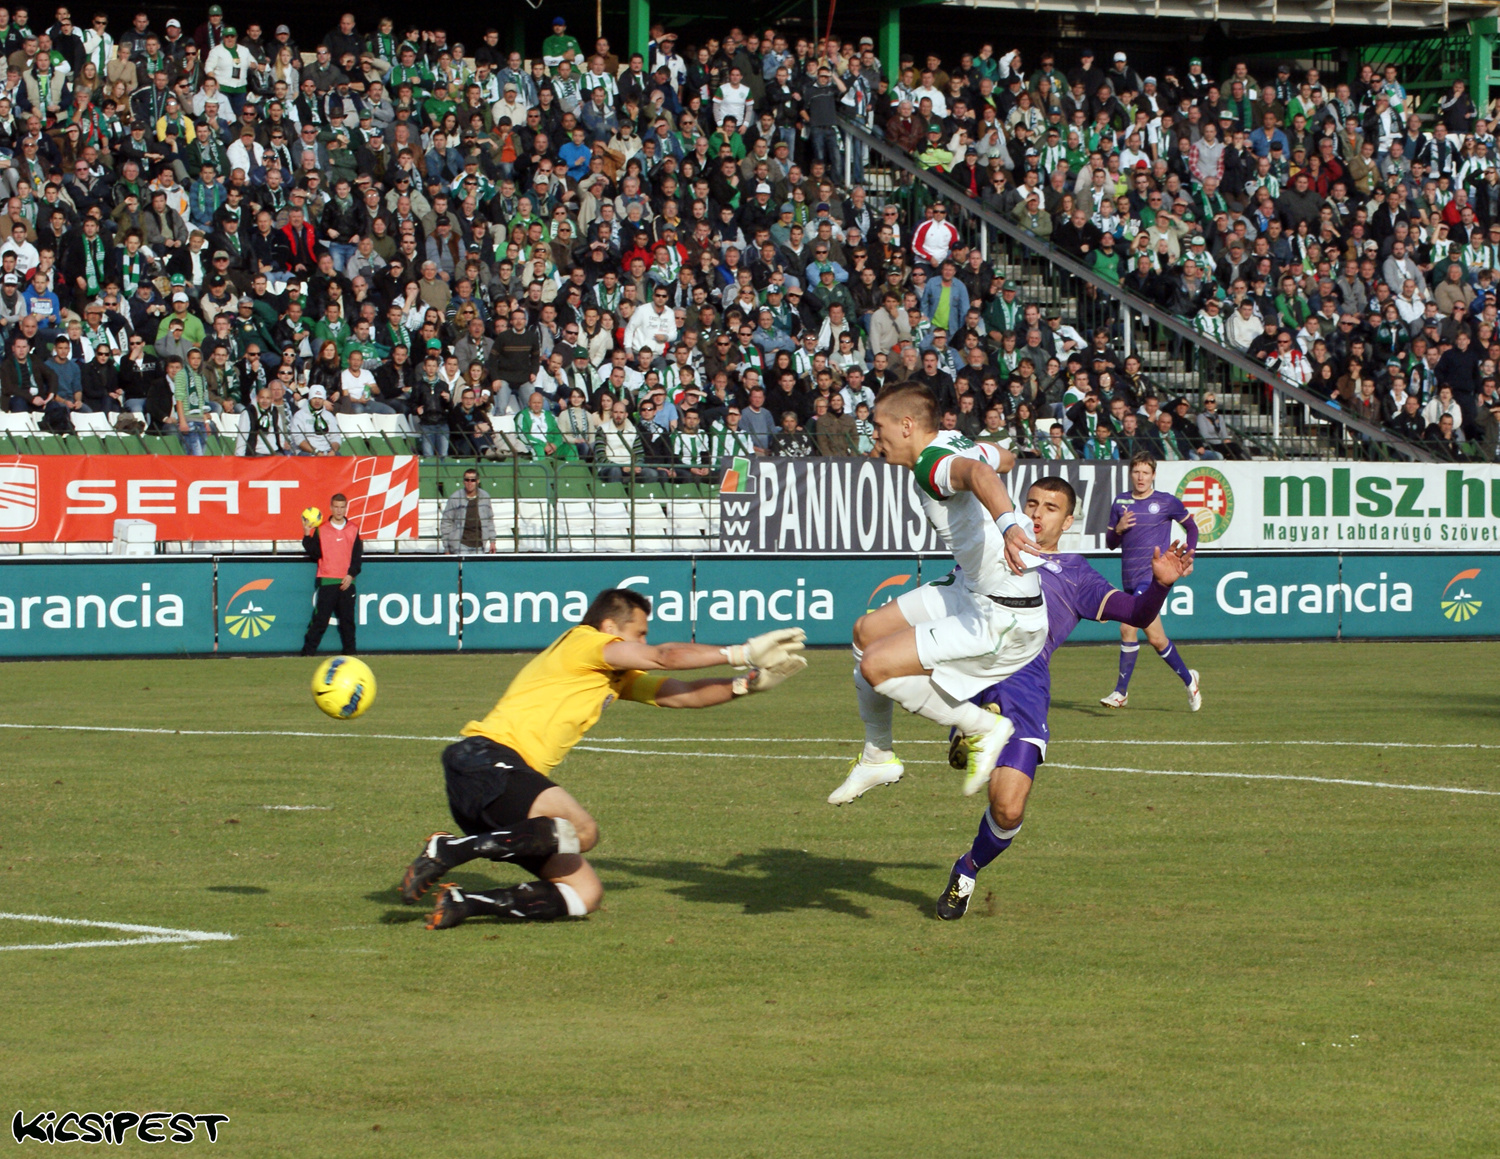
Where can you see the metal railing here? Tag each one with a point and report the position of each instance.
(1173, 354)
(536, 505)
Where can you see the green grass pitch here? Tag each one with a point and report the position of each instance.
(1161, 966)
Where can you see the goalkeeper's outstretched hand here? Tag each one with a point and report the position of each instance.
(766, 650)
(772, 675)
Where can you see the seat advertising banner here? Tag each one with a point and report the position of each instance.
(77, 498)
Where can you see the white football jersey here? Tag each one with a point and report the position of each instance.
(962, 521)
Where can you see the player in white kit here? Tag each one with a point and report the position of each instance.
(933, 648)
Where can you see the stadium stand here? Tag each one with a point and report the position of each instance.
(474, 257)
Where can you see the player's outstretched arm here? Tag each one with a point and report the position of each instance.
(706, 693)
(979, 477)
(763, 651)
(1140, 611)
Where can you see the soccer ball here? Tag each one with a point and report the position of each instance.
(312, 516)
(343, 687)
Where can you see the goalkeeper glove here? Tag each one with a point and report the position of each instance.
(762, 679)
(766, 650)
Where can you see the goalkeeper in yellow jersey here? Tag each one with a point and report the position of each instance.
(499, 790)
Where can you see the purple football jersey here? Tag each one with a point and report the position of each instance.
(1154, 516)
(1075, 591)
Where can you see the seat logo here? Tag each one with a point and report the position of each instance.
(18, 497)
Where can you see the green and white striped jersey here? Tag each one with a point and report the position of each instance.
(962, 521)
(689, 448)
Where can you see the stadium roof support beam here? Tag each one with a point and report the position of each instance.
(888, 32)
(638, 34)
(1351, 14)
(1483, 76)
(888, 41)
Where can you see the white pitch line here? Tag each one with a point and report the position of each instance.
(1279, 777)
(297, 808)
(154, 935)
(152, 941)
(1372, 744)
(1081, 768)
(220, 732)
(606, 745)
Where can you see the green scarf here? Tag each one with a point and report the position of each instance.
(93, 264)
(194, 390)
(132, 270)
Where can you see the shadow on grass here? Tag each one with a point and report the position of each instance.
(1094, 708)
(404, 915)
(773, 881)
(243, 890)
(1439, 705)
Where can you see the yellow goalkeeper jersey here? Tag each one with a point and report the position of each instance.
(559, 696)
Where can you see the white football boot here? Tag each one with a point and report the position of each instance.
(1195, 697)
(863, 776)
(1115, 699)
(984, 754)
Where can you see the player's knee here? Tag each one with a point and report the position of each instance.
(873, 669)
(1008, 802)
(588, 832)
(589, 890)
(862, 632)
(1008, 814)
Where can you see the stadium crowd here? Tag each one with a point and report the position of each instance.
(653, 263)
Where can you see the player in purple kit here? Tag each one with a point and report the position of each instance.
(1074, 591)
(1140, 523)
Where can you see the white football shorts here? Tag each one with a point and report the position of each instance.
(967, 640)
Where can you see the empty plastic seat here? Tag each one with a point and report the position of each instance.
(93, 424)
(653, 528)
(362, 425)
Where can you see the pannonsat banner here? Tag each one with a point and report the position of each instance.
(863, 505)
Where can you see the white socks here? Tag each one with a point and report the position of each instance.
(576, 908)
(876, 711)
(920, 695)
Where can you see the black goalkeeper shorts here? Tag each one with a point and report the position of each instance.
(491, 787)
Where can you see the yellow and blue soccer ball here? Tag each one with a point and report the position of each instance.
(343, 687)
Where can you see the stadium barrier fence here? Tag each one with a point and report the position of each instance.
(52, 506)
(242, 605)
